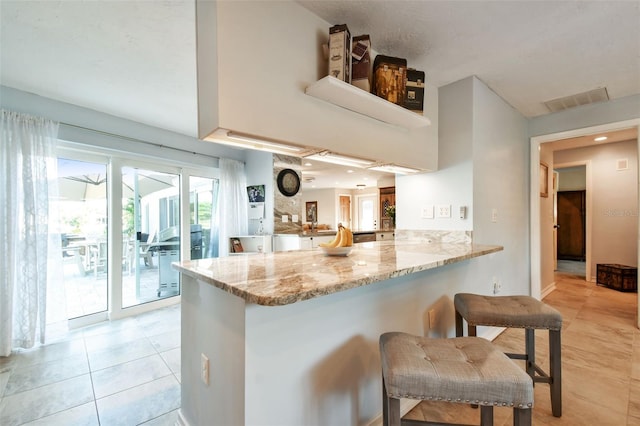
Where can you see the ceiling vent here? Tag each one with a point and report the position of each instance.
(592, 96)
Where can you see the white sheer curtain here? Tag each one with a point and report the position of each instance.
(27, 161)
(233, 213)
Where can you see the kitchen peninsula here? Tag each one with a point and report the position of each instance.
(292, 337)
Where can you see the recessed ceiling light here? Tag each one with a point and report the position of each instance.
(600, 138)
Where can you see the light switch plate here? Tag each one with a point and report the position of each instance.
(285, 218)
(427, 212)
(294, 218)
(443, 210)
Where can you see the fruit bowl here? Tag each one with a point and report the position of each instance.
(336, 251)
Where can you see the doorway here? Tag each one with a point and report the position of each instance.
(534, 192)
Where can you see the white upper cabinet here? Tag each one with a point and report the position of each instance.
(267, 54)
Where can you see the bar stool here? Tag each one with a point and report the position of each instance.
(462, 369)
(518, 312)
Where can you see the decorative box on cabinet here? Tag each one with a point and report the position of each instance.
(617, 277)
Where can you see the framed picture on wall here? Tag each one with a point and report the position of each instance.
(544, 180)
(256, 193)
(312, 211)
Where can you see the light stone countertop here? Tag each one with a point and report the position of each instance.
(282, 278)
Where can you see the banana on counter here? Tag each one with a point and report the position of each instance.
(344, 238)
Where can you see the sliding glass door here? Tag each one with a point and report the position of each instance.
(82, 210)
(150, 235)
(121, 222)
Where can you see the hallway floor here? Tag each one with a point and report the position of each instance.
(600, 362)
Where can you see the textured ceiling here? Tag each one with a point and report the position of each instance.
(136, 59)
(528, 52)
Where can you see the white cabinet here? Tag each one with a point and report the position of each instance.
(279, 110)
(308, 243)
(385, 236)
(286, 242)
(249, 244)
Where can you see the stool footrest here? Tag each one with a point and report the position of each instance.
(516, 356)
(408, 422)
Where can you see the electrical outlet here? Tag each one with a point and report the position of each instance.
(204, 369)
(496, 285)
(494, 215)
(444, 210)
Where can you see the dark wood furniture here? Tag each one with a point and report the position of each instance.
(617, 277)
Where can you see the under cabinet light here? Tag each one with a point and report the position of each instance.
(343, 160)
(391, 168)
(600, 139)
(262, 144)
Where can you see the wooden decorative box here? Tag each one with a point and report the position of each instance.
(617, 277)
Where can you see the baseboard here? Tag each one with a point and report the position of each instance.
(181, 421)
(548, 290)
(406, 405)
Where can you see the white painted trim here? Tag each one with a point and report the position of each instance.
(534, 191)
(181, 421)
(548, 290)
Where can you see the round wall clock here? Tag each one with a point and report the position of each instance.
(288, 182)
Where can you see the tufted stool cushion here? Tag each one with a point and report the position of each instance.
(463, 369)
(507, 311)
(518, 312)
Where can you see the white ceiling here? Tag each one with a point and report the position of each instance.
(136, 59)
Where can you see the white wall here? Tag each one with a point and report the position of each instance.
(132, 134)
(452, 184)
(259, 171)
(546, 223)
(572, 178)
(483, 164)
(327, 199)
(614, 210)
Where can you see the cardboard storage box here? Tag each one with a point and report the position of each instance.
(389, 78)
(414, 96)
(361, 62)
(617, 277)
(340, 52)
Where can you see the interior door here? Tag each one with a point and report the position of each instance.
(345, 211)
(571, 225)
(367, 212)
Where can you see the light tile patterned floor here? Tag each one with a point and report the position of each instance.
(124, 372)
(127, 372)
(600, 362)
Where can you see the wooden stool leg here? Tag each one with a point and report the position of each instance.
(471, 330)
(459, 325)
(530, 350)
(486, 415)
(390, 409)
(521, 417)
(555, 372)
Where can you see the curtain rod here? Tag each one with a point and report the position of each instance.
(157, 145)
